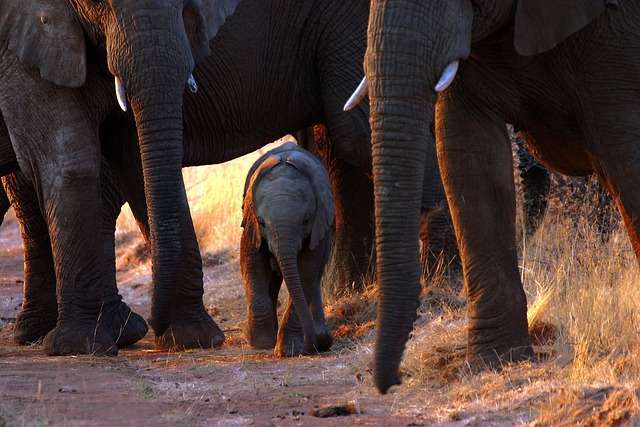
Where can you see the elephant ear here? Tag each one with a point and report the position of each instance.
(540, 25)
(203, 19)
(217, 12)
(325, 215)
(45, 34)
(249, 219)
(276, 151)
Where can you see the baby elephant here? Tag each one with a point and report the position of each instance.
(288, 221)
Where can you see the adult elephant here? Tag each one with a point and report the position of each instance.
(291, 70)
(53, 107)
(566, 74)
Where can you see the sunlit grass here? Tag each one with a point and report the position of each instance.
(215, 200)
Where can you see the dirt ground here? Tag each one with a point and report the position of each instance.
(231, 386)
(238, 386)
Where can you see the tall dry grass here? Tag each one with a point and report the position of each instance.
(587, 286)
(583, 291)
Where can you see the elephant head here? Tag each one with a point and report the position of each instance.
(151, 48)
(414, 50)
(288, 204)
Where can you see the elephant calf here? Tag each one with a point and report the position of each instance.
(288, 221)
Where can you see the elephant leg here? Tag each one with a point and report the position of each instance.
(354, 236)
(5, 204)
(126, 326)
(536, 184)
(618, 170)
(190, 324)
(262, 286)
(353, 247)
(438, 246)
(67, 183)
(39, 307)
(290, 341)
(474, 154)
(348, 145)
(312, 266)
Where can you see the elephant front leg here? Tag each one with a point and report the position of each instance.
(74, 216)
(475, 160)
(290, 341)
(191, 326)
(39, 307)
(126, 326)
(262, 286)
(312, 267)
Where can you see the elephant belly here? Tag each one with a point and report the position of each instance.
(564, 153)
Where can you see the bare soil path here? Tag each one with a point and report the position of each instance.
(231, 386)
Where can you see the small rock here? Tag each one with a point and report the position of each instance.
(336, 411)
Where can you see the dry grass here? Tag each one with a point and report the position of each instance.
(215, 199)
(583, 292)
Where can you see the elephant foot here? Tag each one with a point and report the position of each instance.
(481, 359)
(33, 325)
(293, 344)
(324, 341)
(201, 332)
(260, 338)
(68, 339)
(289, 345)
(127, 327)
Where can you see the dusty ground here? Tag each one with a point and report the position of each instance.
(232, 386)
(574, 382)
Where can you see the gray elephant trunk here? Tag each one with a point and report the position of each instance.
(155, 80)
(286, 252)
(410, 43)
(399, 144)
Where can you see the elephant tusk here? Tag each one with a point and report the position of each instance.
(192, 84)
(121, 94)
(448, 75)
(360, 93)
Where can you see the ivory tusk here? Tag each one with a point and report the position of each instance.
(121, 94)
(192, 84)
(448, 75)
(360, 93)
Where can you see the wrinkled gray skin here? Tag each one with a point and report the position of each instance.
(288, 220)
(566, 74)
(252, 90)
(54, 105)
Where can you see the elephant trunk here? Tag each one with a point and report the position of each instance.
(286, 253)
(160, 136)
(400, 103)
(155, 80)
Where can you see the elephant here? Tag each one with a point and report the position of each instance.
(535, 184)
(288, 220)
(54, 101)
(565, 74)
(251, 91)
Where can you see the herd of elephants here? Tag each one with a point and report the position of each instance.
(103, 102)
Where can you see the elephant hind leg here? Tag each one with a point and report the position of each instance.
(39, 307)
(620, 174)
